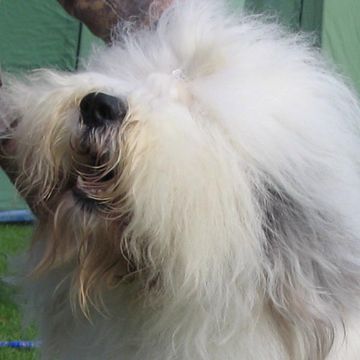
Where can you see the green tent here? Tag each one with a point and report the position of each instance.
(335, 23)
(38, 33)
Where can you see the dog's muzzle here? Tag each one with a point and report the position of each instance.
(94, 171)
(99, 109)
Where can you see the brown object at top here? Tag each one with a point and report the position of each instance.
(101, 16)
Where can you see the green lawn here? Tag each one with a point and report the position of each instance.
(13, 240)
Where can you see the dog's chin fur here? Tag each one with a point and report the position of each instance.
(229, 227)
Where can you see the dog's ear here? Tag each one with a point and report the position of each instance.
(310, 269)
(7, 144)
(3, 123)
(101, 16)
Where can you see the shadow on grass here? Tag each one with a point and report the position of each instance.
(14, 239)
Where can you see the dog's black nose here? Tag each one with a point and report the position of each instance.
(98, 108)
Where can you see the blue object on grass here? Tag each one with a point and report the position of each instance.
(16, 216)
(20, 344)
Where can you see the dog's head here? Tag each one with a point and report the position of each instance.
(112, 165)
(198, 157)
(127, 163)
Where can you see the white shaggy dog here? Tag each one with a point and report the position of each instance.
(198, 191)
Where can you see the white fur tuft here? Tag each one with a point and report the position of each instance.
(236, 197)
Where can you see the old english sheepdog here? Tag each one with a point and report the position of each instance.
(198, 194)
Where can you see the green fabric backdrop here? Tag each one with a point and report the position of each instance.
(38, 33)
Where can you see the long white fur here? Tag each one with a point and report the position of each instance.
(242, 179)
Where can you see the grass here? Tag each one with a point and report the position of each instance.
(13, 240)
